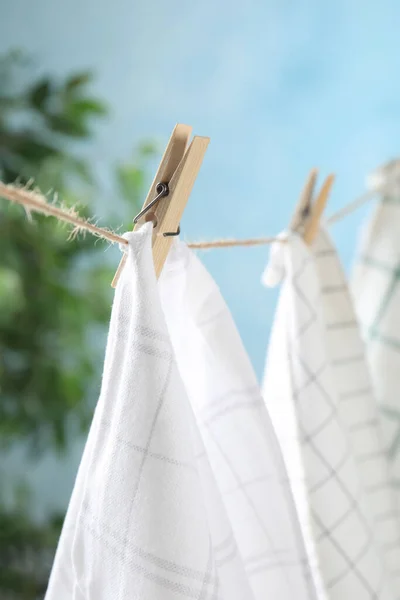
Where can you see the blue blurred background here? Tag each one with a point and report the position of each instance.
(279, 87)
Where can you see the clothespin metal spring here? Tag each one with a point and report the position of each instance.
(162, 190)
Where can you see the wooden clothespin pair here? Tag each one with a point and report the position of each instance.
(308, 213)
(170, 192)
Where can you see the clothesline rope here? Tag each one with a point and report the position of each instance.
(351, 207)
(34, 201)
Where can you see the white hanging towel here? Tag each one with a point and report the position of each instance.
(376, 289)
(167, 503)
(318, 392)
(238, 437)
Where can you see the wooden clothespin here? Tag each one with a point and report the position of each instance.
(303, 207)
(171, 186)
(307, 212)
(312, 224)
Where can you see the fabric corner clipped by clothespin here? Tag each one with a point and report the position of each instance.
(177, 173)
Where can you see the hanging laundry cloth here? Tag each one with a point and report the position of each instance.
(181, 491)
(318, 392)
(238, 437)
(376, 288)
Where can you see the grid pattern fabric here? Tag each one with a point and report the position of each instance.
(376, 289)
(237, 433)
(325, 418)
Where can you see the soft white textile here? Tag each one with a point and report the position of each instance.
(181, 492)
(376, 290)
(318, 393)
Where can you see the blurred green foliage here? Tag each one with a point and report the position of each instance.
(26, 551)
(54, 294)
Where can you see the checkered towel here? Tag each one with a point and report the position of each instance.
(318, 392)
(181, 492)
(376, 290)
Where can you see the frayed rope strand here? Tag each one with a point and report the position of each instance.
(33, 201)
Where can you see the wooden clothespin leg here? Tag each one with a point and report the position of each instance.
(303, 206)
(178, 169)
(307, 212)
(170, 212)
(312, 224)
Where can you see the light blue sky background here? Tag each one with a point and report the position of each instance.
(279, 86)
